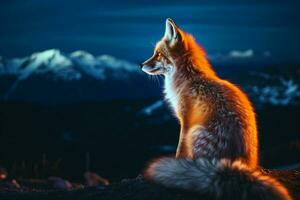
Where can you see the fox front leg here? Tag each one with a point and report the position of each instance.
(182, 148)
(180, 152)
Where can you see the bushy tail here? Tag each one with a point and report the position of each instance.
(216, 179)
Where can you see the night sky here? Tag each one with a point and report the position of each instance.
(129, 29)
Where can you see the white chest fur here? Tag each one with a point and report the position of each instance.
(170, 93)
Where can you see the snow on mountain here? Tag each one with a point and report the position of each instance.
(52, 61)
(53, 65)
(116, 64)
(65, 67)
(285, 91)
(148, 110)
(242, 57)
(88, 63)
(49, 61)
(241, 54)
(100, 66)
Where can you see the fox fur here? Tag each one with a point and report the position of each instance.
(217, 151)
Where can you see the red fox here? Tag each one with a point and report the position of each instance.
(217, 153)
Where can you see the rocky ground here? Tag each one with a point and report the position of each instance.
(135, 189)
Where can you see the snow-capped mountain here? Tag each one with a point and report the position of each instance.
(75, 76)
(66, 67)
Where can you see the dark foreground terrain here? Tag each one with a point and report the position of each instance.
(120, 136)
(138, 189)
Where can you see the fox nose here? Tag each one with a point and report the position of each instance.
(141, 65)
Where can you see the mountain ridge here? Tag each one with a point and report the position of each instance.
(54, 76)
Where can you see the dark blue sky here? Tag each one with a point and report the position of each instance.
(129, 29)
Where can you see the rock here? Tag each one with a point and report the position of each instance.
(3, 173)
(59, 183)
(92, 179)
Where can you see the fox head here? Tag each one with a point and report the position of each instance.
(165, 50)
(175, 50)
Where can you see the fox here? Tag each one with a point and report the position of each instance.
(217, 152)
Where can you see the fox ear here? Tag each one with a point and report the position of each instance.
(172, 32)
